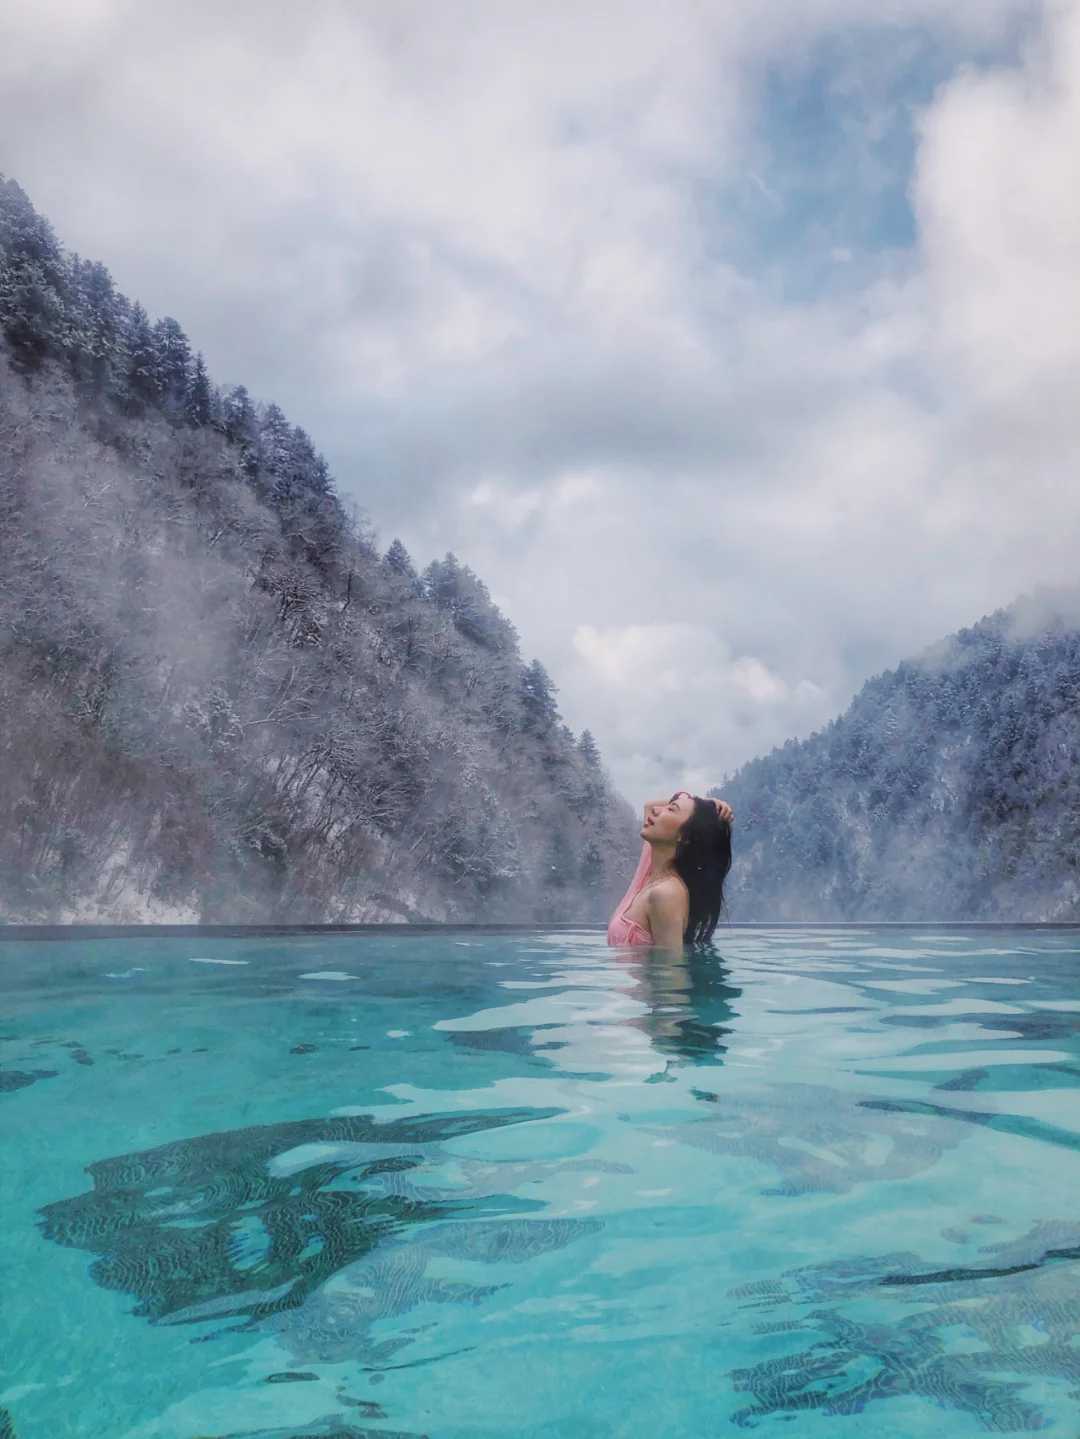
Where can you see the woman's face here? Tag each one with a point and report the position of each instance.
(664, 818)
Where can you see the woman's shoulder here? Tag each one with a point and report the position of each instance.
(668, 894)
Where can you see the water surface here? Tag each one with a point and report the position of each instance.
(517, 1186)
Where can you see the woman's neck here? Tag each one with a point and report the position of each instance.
(662, 863)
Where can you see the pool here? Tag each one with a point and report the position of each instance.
(822, 1182)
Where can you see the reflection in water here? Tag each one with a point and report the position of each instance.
(1032, 1027)
(332, 1426)
(21, 1079)
(1015, 1311)
(818, 1138)
(689, 1004)
(335, 1324)
(251, 1221)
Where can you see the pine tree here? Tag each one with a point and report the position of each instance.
(589, 752)
(538, 699)
(309, 474)
(172, 355)
(143, 378)
(399, 560)
(33, 282)
(275, 448)
(96, 344)
(453, 588)
(594, 790)
(200, 407)
(241, 427)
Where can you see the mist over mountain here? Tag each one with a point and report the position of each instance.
(221, 700)
(218, 700)
(950, 789)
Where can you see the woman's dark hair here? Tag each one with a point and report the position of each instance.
(702, 861)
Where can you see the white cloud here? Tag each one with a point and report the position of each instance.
(665, 691)
(755, 678)
(494, 257)
(998, 200)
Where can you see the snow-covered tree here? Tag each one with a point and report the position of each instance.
(172, 363)
(201, 404)
(34, 313)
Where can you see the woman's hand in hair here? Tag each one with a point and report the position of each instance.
(724, 810)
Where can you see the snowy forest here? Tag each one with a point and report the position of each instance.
(219, 701)
(950, 789)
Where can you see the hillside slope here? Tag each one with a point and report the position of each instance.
(218, 700)
(949, 790)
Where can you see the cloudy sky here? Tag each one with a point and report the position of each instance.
(734, 343)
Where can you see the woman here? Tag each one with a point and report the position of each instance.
(677, 893)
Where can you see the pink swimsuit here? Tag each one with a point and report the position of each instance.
(623, 933)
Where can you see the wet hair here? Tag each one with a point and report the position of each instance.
(702, 861)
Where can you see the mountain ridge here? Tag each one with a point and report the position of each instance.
(218, 700)
(949, 788)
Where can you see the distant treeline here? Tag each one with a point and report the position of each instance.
(218, 700)
(949, 790)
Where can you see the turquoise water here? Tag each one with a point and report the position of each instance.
(824, 1183)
